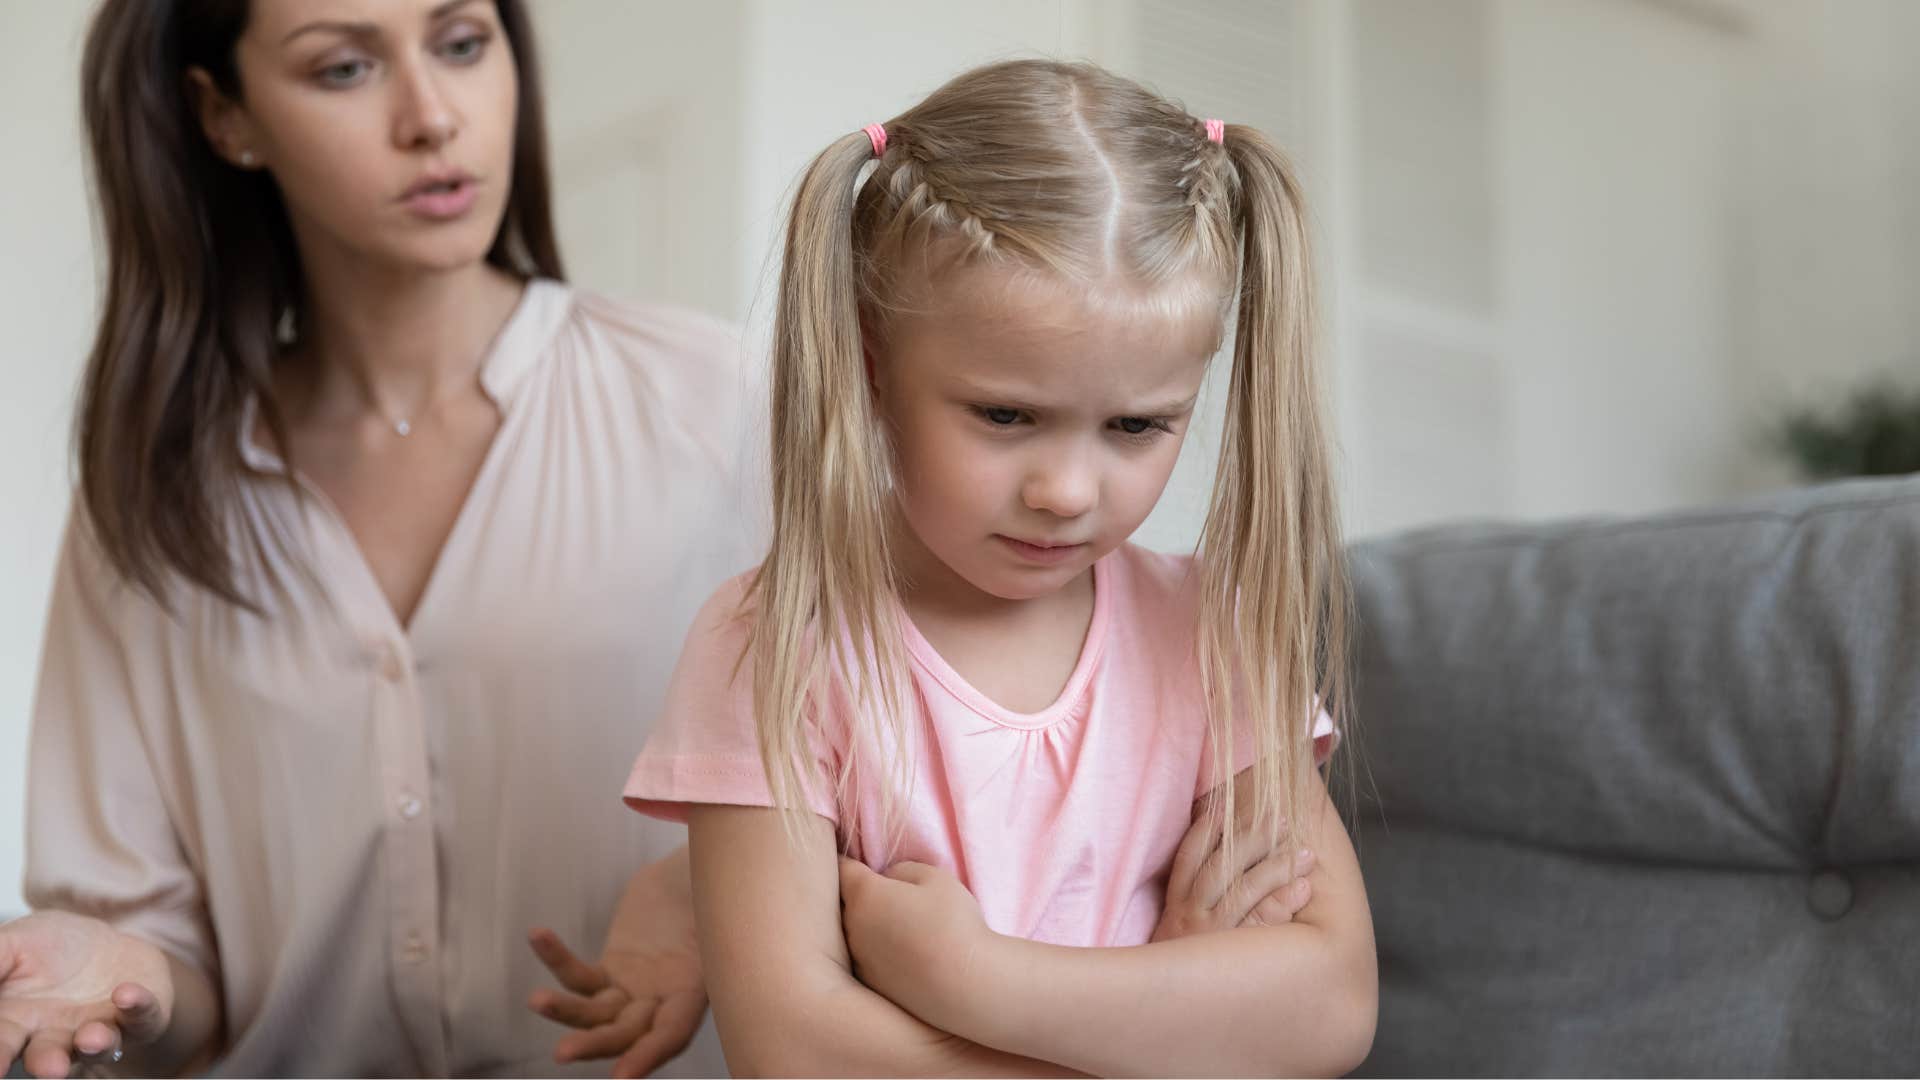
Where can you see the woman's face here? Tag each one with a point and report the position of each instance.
(387, 124)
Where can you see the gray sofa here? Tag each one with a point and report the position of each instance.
(1644, 795)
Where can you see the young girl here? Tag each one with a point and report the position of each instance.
(953, 667)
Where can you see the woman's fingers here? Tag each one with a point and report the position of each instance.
(574, 973)
(49, 1054)
(674, 1026)
(576, 1011)
(96, 1039)
(137, 1014)
(608, 1040)
(13, 1039)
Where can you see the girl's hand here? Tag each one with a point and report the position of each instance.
(1204, 894)
(644, 1000)
(74, 987)
(914, 934)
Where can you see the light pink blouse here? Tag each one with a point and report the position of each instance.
(352, 824)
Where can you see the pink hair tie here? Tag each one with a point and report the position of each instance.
(877, 135)
(1216, 132)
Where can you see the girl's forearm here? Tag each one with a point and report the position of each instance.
(1285, 1000)
(849, 1030)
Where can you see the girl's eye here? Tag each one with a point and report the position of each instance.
(1141, 425)
(1000, 417)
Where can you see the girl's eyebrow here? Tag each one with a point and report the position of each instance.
(367, 29)
(982, 393)
(1173, 409)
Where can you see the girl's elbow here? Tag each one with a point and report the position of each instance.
(1355, 1039)
(1354, 1016)
(1337, 1046)
(1339, 1034)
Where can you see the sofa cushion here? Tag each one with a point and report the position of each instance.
(1643, 796)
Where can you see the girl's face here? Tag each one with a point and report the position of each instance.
(388, 124)
(1034, 424)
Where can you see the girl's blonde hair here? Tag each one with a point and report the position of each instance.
(1072, 172)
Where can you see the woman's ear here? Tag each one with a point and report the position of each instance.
(222, 121)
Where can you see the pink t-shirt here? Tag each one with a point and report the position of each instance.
(1062, 823)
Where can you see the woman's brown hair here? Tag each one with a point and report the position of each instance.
(201, 271)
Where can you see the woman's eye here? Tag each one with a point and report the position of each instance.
(466, 48)
(1136, 425)
(343, 73)
(1000, 417)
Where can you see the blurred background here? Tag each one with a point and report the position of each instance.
(1579, 256)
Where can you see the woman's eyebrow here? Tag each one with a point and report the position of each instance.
(367, 29)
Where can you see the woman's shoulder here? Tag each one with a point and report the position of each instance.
(661, 340)
(684, 372)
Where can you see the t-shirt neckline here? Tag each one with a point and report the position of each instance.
(1071, 696)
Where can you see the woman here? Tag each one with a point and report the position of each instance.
(384, 545)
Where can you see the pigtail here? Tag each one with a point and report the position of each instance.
(822, 605)
(1274, 606)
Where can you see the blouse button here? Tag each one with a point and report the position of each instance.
(415, 951)
(410, 807)
(390, 667)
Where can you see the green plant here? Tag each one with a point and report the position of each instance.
(1876, 432)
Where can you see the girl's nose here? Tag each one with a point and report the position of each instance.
(1063, 486)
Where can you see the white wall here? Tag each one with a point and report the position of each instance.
(1596, 245)
(644, 104)
(1614, 173)
(46, 304)
(1826, 215)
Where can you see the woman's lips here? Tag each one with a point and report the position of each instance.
(443, 200)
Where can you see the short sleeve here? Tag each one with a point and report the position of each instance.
(704, 748)
(1326, 737)
(100, 838)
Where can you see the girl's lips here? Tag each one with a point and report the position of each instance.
(1043, 554)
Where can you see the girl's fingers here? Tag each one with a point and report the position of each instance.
(608, 1040)
(1263, 879)
(1278, 908)
(913, 873)
(1216, 877)
(574, 974)
(1194, 847)
(673, 1028)
(49, 1054)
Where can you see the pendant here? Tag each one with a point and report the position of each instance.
(402, 428)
